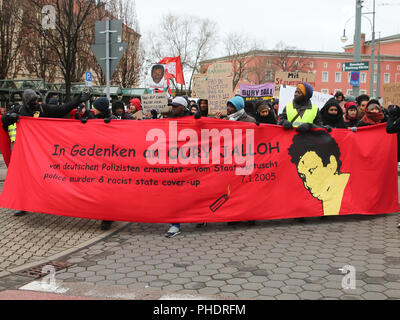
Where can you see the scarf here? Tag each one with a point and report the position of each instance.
(235, 116)
(372, 117)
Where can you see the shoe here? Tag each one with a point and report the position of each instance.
(300, 219)
(201, 225)
(172, 232)
(251, 223)
(106, 225)
(398, 226)
(232, 223)
(20, 213)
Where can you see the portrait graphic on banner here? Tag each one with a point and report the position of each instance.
(156, 77)
(317, 158)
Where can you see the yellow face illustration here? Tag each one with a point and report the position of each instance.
(316, 177)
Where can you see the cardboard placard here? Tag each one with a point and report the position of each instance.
(200, 89)
(219, 92)
(291, 79)
(220, 69)
(391, 94)
(158, 101)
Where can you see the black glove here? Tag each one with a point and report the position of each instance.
(154, 113)
(197, 115)
(84, 119)
(107, 120)
(328, 128)
(394, 111)
(257, 123)
(85, 97)
(13, 117)
(305, 127)
(287, 125)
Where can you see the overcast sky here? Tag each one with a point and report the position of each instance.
(308, 24)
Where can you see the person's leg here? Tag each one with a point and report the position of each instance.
(106, 225)
(201, 225)
(174, 230)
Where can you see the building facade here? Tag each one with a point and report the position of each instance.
(260, 66)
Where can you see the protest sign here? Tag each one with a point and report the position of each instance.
(286, 95)
(157, 101)
(158, 161)
(291, 79)
(220, 69)
(391, 94)
(156, 77)
(200, 86)
(219, 92)
(262, 90)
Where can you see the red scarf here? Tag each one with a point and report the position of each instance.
(372, 117)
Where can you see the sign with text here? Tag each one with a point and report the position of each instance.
(291, 79)
(262, 90)
(220, 69)
(219, 92)
(356, 66)
(391, 94)
(200, 86)
(227, 168)
(287, 94)
(157, 101)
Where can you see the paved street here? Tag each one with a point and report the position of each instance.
(283, 259)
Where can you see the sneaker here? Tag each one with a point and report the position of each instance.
(172, 232)
(20, 213)
(398, 226)
(106, 225)
(233, 223)
(251, 223)
(300, 219)
(201, 225)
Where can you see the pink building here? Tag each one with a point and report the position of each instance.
(260, 66)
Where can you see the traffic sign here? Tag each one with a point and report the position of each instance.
(355, 79)
(89, 79)
(116, 53)
(356, 66)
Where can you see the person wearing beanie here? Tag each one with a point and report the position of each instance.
(235, 110)
(332, 114)
(264, 113)
(32, 108)
(101, 110)
(134, 106)
(373, 114)
(118, 110)
(301, 113)
(351, 116)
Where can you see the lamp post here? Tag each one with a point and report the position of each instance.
(378, 80)
(357, 41)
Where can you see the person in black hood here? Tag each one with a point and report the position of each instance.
(118, 110)
(203, 106)
(332, 114)
(264, 113)
(249, 108)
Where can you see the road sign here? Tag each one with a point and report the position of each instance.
(356, 66)
(355, 79)
(89, 79)
(116, 53)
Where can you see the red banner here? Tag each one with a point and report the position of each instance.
(207, 170)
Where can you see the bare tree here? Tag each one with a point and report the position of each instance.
(10, 36)
(288, 59)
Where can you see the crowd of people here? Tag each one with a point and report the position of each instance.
(342, 112)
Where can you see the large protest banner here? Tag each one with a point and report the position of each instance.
(206, 170)
(286, 95)
(262, 90)
(391, 94)
(291, 79)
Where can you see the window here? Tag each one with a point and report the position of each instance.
(269, 75)
(363, 77)
(387, 67)
(338, 77)
(398, 67)
(312, 65)
(326, 91)
(386, 78)
(349, 92)
(325, 76)
(325, 65)
(338, 65)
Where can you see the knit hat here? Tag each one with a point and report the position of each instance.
(102, 104)
(180, 101)
(306, 89)
(350, 105)
(373, 102)
(237, 102)
(261, 105)
(136, 103)
(29, 95)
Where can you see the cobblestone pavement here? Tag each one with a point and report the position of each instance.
(283, 259)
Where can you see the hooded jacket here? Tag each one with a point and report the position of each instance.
(350, 123)
(335, 121)
(238, 103)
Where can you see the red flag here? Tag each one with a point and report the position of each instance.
(174, 69)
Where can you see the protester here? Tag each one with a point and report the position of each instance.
(373, 114)
(101, 111)
(249, 108)
(339, 97)
(194, 108)
(31, 108)
(301, 113)
(351, 116)
(362, 102)
(118, 110)
(264, 113)
(393, 126)
(332, 114)
(203, 106)
(134, 106)
(236, 112)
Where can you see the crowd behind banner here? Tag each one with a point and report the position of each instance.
(341, 112)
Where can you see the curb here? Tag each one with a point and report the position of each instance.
(66, 252)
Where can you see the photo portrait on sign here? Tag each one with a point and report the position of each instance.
(317, 158)
(156, 77)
